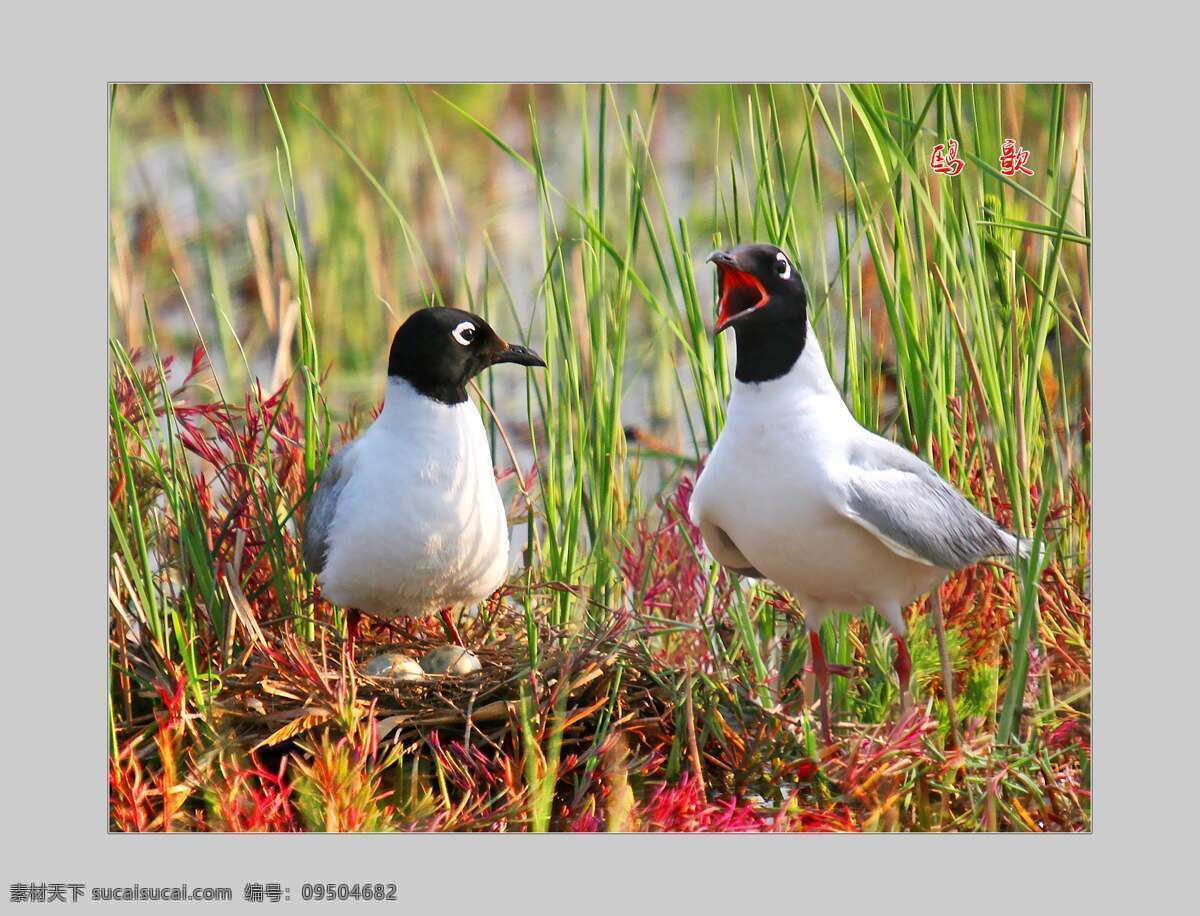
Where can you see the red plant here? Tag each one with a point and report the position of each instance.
(838, 819)
(872, 759)
(129, 790)
(586, 822)
(473, 772)
(169, 741)
(340, 786)
(683, 808)
(233, 443)
(253, 799)
(662, 560)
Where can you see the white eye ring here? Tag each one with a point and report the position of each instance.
(787, 267)
(464, 333)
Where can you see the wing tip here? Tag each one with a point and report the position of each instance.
(1024, 548)
(314, 559)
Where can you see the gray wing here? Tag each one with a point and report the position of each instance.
(910, 508)
(321, 509)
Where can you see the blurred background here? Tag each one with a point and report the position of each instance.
(412, 196)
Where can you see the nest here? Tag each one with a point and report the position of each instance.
(285, 687)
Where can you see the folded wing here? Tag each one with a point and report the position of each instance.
(905, 503)
(321, 510)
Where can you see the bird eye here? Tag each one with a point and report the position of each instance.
(782, 267)
(464, 333)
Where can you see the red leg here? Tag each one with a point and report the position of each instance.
(903, 671)
(451, 628)
(353, 618)
(821, 670)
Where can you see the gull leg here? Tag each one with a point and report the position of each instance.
(821, 670)
(451, 628)
(939, 627)
(903, 673)
(353, 618)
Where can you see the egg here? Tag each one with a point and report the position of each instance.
(394, 666)
(451, 660)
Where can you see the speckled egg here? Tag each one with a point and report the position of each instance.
(394, 666)
(451, 660)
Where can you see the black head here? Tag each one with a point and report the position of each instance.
(439, 350)
(762, 297)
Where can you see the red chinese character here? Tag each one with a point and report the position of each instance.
(1013, 159)
(944, 159)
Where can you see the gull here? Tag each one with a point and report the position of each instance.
(797, 492)
(407, 519)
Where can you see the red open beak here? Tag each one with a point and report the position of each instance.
(740, 293)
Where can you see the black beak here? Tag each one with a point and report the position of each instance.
(721, 257)
(522, 356)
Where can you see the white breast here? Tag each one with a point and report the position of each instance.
(773, 483)
(420, 524)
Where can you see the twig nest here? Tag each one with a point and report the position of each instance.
(394, 666)
(451, 660)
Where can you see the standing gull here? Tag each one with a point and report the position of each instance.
(797, 492)
(407, 519)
